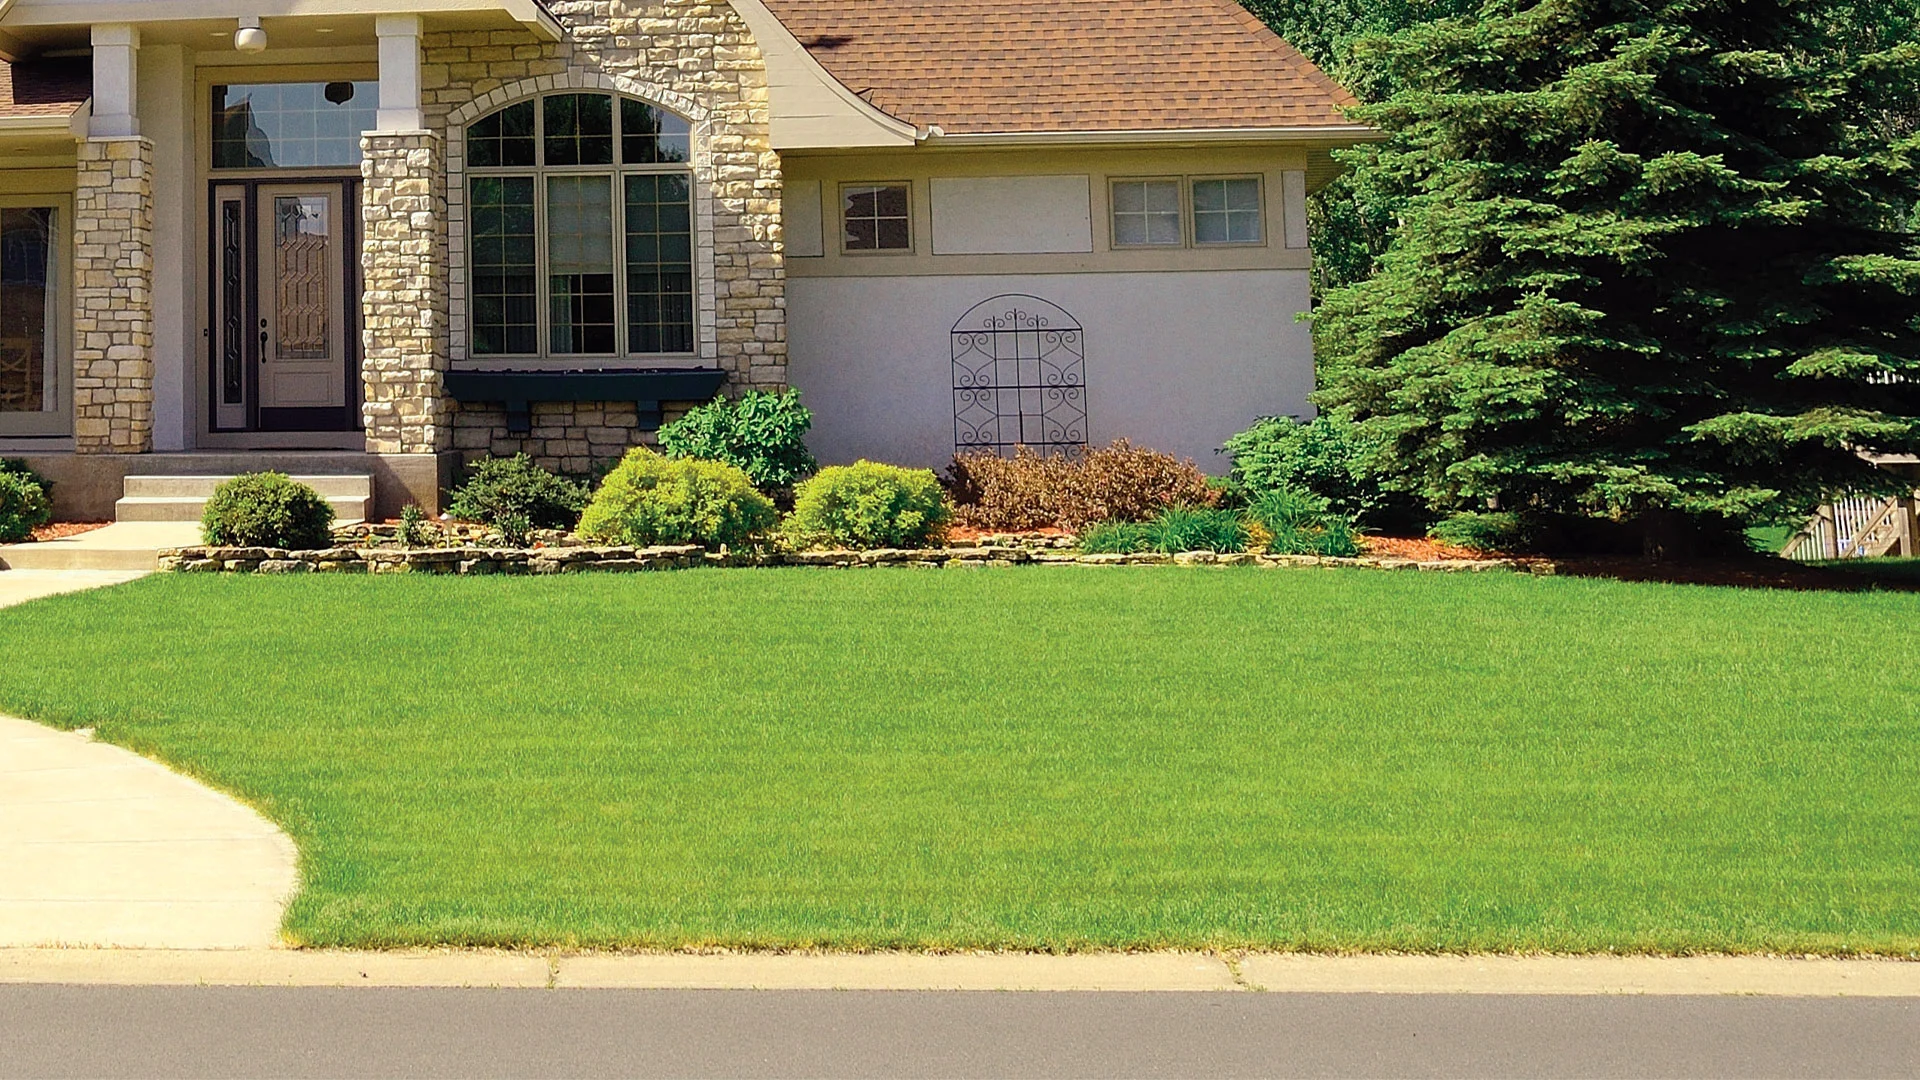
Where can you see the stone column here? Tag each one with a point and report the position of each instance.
(113, 297)
(403, 294)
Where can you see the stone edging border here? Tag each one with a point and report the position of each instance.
(574, 560)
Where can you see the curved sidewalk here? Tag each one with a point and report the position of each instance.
(101, 847)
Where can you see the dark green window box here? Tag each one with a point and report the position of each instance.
(645, 387)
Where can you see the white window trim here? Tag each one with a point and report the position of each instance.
(1189, 240)
(705, 279)
(840, 219)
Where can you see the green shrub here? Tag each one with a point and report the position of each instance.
(412, 532)
(499, 488)
(24, 504)
(867, 505)
(1118, 482)
(649, 499)
(1325, 456)
(267, 509)
(1495, 531)
(1116, 538)
(1302, 523)
(761, 433)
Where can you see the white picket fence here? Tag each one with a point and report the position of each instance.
(1857, 527)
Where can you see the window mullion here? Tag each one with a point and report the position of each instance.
(543, 284)
(622, 346)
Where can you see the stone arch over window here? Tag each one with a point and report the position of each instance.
(570, 320)
(1019, 376)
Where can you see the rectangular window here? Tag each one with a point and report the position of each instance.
(1226, 211)
(28, 380)
(580, 264)
(659, 263)
(876, 217)
(505, 316)
(1146, 213)
(291, 125)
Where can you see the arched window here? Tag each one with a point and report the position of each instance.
(580, 226)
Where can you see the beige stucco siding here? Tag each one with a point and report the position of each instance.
(1173, 360)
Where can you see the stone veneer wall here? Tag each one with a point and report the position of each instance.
(403, 298)
(113, 297)
(697, 58)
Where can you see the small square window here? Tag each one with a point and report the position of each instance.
(1226, 211)
(1146, 213)
(876, 217)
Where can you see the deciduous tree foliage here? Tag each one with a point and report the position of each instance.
(1653, 260)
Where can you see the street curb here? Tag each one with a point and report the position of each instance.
(1136, 972)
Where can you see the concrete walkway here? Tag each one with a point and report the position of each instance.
(101, 847)
(124, 545)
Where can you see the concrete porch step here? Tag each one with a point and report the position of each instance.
(198, 486)
(164, 497)
(347, 509)
(120, 546)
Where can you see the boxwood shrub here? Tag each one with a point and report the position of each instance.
(267, 509)
(868, 505)
(649, 499)
(504, 490)
(24, 502)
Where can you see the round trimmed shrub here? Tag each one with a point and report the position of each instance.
(762, 433)
(267, 509)
(648, 499)
(23, 505)
(868, 505)
(498, 489)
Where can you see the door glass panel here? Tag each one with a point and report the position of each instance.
(580, 263)
(579, 129)
(659, 264)
(505, 275)
(233, 315)
(26, 295)
(291, 125)
(303, 297)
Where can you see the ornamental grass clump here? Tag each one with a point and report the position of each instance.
(505, 490)
(1172, 531)
(648, 499)
(761, 433)
(1118, 482)
(267, 509)
(868, 505)
(24, 502)
(1301, 523)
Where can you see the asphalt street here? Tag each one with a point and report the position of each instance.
(61, 1031)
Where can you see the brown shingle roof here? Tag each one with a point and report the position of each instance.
(45, 87)
(1065, 65)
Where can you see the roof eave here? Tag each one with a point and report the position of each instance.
(1327, 134)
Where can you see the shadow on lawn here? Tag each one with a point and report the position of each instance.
(1758, 572)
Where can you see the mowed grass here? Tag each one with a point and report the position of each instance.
(1050, 758)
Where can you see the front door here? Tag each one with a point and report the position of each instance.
(285, 303)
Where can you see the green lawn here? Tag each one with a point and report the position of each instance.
(1059, 758)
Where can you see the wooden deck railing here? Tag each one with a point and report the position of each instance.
(1857, 527)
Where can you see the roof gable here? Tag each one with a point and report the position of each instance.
(980, 66)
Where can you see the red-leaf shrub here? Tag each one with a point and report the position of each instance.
(1120, 482)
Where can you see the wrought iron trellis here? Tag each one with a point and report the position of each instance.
(1019, 376)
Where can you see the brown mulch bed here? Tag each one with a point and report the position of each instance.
(60, 530)
(1397, 547)
(963, 535)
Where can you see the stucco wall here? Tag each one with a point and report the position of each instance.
(1174, 360)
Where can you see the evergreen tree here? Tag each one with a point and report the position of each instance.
(1655, 262)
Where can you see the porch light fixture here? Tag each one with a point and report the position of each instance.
(250, 38)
